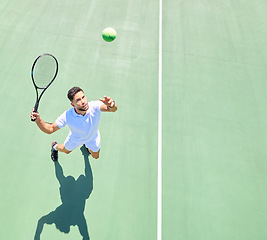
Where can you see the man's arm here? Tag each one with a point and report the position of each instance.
(108, 105)
(48, 128)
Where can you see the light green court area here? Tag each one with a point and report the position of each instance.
(214, 122)
(123, 202)
(214, 111)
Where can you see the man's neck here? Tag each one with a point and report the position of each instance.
(80, 112)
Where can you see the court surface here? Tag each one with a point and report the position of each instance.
(214, 131)
(214, 120)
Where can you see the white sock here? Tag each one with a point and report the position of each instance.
(55, 147)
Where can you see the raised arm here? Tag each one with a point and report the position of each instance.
(48, 128)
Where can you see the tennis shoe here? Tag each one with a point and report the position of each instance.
(54, 153)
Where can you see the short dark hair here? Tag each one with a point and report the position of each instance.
(72, 92)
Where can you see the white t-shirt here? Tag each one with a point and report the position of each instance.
(82, 128)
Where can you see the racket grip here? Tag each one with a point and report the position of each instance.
(35, 110)
(36, 106)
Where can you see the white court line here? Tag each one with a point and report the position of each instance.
(159, 214)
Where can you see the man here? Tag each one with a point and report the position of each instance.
(83, 120)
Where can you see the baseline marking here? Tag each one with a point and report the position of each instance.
(159, 198)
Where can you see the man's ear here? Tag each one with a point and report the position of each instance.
(72, 104)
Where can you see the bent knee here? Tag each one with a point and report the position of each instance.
(95, 156)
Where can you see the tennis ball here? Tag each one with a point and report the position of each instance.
(109, 34)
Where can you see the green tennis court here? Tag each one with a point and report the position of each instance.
(214, 131)
(214, 150)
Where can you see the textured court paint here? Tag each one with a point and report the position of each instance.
(214, 125)
(124, 199)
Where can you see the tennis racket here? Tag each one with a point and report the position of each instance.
(44, 72)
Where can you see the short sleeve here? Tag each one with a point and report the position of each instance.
(61, 120)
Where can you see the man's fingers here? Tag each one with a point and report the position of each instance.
(106, 100)
(34, 115)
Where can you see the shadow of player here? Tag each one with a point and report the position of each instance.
(73, 195)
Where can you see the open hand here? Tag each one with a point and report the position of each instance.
(107, 101)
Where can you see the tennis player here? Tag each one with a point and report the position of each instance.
(83, 120)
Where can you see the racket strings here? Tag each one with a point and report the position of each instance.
(44, 71)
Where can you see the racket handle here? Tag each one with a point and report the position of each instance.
(35, 110)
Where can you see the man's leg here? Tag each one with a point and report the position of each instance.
(95, 155)
(61, 148)
(57, 147)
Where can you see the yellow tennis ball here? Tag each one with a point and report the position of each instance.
(109, 34)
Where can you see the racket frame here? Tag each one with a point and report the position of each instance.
(38, 98)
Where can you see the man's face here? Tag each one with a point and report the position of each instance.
(79, 101)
